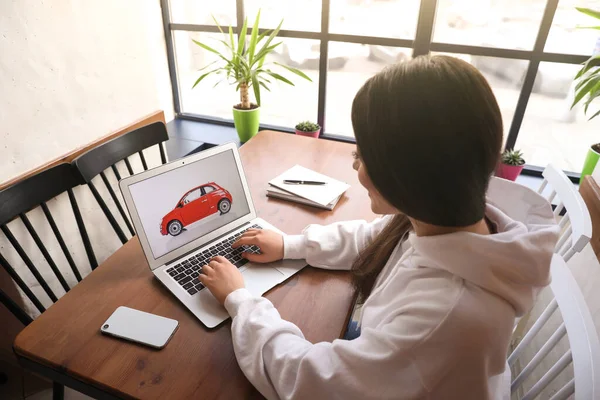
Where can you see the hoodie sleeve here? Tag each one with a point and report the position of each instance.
(334, 246)
(282, 364)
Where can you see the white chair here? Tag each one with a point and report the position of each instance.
(584, 351)
(576, 224)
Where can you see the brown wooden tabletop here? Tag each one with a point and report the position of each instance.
(66, 343)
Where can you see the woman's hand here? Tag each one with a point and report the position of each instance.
(221, 278)
(269, 242)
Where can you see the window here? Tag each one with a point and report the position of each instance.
(391, 18)
(208, 189)
(508, 24)
(528, 50)
(551, 131)
(193, 195)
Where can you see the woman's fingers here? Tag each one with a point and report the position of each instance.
(245, 241)
(259, 258)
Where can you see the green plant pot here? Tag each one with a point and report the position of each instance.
(590, 162)
(246, 123)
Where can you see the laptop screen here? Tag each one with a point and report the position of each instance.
(185, 203)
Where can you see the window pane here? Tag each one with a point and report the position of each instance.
(551, 132)
(505, 76)
(287, 105)
(342, 84)
(297, 15)
(203, 99)
(564, 37)
(392, 18)
(511, 24)
(279, 106)
(350, 65)
(199, 12)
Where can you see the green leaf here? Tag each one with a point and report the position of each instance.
(590, 63)
(260, 57)
(207, 47)
(594, 92)
(278, 77)
(583, 80)
(271, 37)
(253, 39)
(256, 87)
(263, 85)
(204, 76)
(295, 71)
(262, 35)
(225, 43)
(582, 92)
(588, 27)
(216, 23)
(231, 38)
(207, 65)
(594, 116)
(589, 11)
(242, 37)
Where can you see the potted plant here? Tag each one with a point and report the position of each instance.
(511, 164)
(588, 83)
(307, 128)
(243, 64)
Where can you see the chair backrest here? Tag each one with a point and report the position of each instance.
(576, 224)
(15, 202)
(584, 345)
(95, 161)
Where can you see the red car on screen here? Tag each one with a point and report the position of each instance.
(198, 203)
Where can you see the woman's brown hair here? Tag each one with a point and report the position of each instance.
(429, 132)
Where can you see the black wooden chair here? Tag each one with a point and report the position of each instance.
(16, 202)
(107, 155)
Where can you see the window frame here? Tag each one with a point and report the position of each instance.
(422, 44)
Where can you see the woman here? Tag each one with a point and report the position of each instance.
(442, 274)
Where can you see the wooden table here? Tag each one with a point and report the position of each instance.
(65, 343)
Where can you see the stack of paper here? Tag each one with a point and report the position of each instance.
(323, 196)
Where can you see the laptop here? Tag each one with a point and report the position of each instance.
(190, 210)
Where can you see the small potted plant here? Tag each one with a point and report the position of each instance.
(242, 64)
(588, 88)
(307, 128)
(511, 164)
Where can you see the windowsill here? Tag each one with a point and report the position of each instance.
(188, 137)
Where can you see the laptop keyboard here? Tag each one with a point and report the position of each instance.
(186, 272)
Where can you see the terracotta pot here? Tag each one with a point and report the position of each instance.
(510, 172)
(314, 134)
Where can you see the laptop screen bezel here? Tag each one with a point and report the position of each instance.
(125, 183)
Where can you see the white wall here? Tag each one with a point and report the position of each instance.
(72, 71)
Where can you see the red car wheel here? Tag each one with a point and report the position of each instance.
(174, 228)
(224, 206)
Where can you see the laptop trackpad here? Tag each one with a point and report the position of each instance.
(260, 278)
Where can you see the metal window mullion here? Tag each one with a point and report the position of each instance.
(532, 69)
(240, 14)
(323, 63)
(166, 17)
(425, 25)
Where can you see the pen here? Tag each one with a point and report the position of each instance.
(295, 182)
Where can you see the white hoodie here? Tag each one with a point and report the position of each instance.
(437, 324)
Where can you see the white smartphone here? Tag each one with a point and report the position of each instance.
(140, 327)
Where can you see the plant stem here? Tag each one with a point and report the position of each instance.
(245, 99)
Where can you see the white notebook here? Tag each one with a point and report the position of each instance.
(277, 193)
(320, 194)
